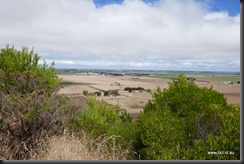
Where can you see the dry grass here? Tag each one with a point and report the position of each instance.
(70, 147)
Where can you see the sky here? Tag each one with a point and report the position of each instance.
(194, 35)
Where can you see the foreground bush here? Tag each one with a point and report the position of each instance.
(30, 110)
(160, 136)
(226, 144)
(102, 120)
(187, 122)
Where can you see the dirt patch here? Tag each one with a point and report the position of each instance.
(230, 91)
(233, 98)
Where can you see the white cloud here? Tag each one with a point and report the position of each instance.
(216, 16)
(133, 34)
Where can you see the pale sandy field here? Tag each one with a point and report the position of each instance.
(133, 102)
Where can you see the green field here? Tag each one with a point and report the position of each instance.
(203, 77)
(164, 76)
(80, 73)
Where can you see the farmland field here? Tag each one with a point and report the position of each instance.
(75, 83)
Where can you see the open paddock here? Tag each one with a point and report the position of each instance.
(134, 102)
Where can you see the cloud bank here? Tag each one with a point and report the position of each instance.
(167, 34)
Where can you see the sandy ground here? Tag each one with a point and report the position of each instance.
(134, 102)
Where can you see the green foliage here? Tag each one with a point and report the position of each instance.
(185, 96)
(96, 118)
(124, 135)
(227, 143)
(125, 116)
(100, 119)
(13, 60)
(30, 110)
(17, 62)
(200, 120)
(125, 131)
(161, 135)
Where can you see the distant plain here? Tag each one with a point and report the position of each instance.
(74, 83)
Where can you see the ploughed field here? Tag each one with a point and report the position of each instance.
(133, 102)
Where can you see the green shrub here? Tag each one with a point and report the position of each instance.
(200, 118)
(227, 143)
(124, 135)
(161, 136)
(15, 62)
(100, 119)
(125, 116)
(183, 97)
(125, 130)
(96, 118)
(30, 110)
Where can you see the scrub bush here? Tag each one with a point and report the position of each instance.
(100, 119)
(186, 122)
(30, 110)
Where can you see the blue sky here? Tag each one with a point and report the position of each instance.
(232, 6)
(127, 34)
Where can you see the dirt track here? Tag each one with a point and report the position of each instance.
(135, 101)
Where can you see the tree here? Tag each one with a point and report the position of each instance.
(24, 65)
(29, 111)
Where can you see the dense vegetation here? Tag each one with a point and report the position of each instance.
(188, 122)
(183, 121)
(30, 110)
(99, 119)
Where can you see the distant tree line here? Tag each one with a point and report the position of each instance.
(110, 92)
(130, 89)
